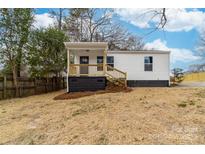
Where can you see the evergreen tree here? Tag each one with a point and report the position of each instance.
(47, 54)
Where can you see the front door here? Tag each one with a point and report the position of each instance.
(84, 60)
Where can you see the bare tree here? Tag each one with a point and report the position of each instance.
(83, 24)
(95, 22)
(74, 23)
(59, 16)
(119, 38)
(201, 45)
(98, 25)
(197, 68)
(201, 52)
(159, 15)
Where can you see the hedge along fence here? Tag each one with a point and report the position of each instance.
(200, 76)
(29, 86)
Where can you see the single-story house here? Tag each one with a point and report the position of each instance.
(90, 65)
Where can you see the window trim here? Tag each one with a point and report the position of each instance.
(111, 64)
(99, 68)
(150, 63)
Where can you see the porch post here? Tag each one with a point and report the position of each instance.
(104, 61)
(68, 68)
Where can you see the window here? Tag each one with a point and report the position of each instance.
(148, 61)
(99, 61)
(110, 62)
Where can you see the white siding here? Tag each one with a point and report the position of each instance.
(92, 60)
(133, 64)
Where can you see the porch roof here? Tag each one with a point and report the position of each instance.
(86, 45)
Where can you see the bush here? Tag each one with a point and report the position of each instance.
(178, 75)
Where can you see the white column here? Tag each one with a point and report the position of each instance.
(68, 68)
(104, 61)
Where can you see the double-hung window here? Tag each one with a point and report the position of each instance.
(99, 61)
(110, 62)
(148, 63)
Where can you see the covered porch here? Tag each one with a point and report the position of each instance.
(89, 67)
(82, 58)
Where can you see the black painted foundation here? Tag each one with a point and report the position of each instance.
(84, 83)
(148, 83)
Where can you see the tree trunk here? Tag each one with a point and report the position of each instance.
(15, 80)
(81, 28)
(91, 37)
(19, 60)
(19, 70)
(90, 30)
(60, 19)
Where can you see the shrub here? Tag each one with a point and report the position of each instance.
(182, 105)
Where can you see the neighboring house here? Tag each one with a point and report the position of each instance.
(92, 65)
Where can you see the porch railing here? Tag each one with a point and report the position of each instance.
(115, 73)
(117, 76)
(97, 70)
(86, 70)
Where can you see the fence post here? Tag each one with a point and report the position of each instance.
(56, 83)
(20, 85)
(46, 85)
(34, 82)
(52, 82)
(63, 83)
(60, 82)
(4, 88)
(20, 90)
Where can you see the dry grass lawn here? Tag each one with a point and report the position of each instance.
(142, 116)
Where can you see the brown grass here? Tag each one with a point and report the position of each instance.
(74, 95)
(142, 116)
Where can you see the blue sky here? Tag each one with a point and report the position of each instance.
(180, 35)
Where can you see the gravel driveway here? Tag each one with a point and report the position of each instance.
(192, 84)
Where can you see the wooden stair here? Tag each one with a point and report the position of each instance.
(120, 81)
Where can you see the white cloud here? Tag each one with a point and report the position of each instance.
(177, 19)
(43, 20)
(137, 17)
(177, 54)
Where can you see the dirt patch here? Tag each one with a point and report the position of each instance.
(88, 109)
(109, 89)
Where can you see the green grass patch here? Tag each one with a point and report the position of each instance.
(185, 103)
(192, 103)
(198, 106)
(182, 105)
(103, 140)
(201, 93)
